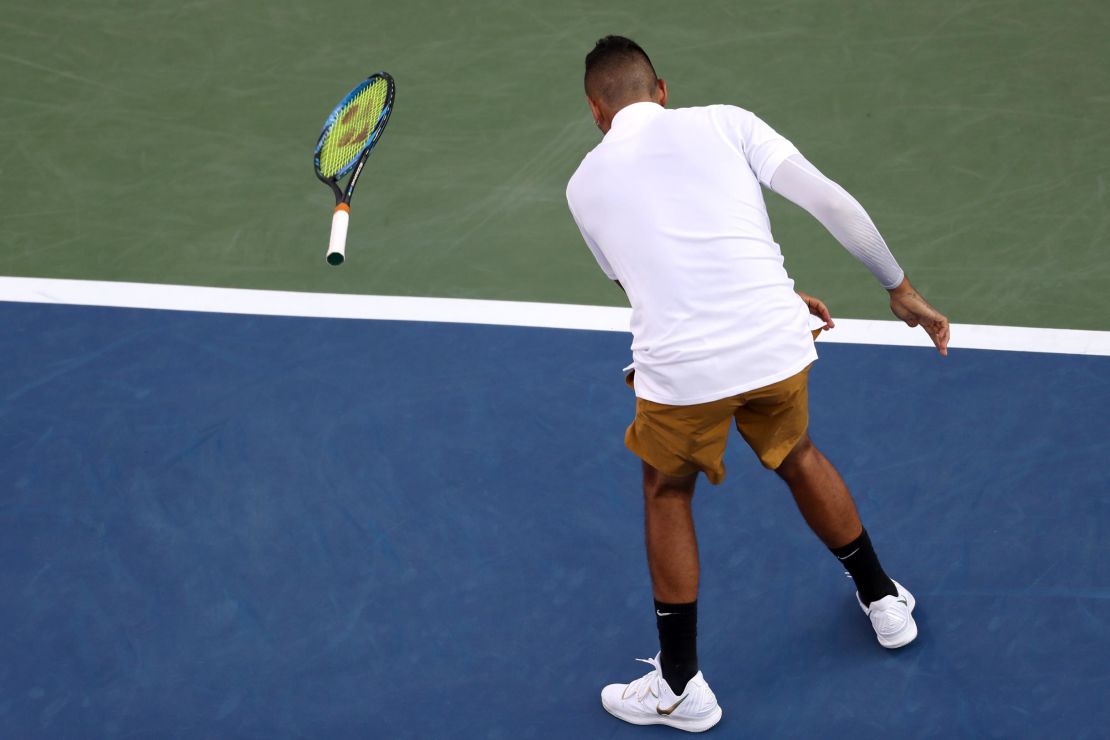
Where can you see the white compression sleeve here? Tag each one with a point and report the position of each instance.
(802, 184)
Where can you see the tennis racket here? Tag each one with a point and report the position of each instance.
(349, 135)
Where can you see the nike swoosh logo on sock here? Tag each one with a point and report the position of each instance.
(853, 552)
(666, 712)
(664, 614)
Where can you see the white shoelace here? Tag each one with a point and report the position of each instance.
(645, 684)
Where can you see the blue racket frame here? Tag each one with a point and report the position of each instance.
(357, 163)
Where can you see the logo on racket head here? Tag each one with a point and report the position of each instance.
(352, 129)
(351, 114)
(351, 137)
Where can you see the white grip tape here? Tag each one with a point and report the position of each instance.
(337, 245)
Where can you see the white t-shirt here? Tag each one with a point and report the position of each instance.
(670, 205)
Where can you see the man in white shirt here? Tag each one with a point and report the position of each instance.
(670, 205)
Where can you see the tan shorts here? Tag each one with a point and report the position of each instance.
(681, 440)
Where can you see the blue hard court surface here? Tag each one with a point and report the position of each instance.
(232, 526)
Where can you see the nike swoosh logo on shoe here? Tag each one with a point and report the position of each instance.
(666, 712)
(903, 600)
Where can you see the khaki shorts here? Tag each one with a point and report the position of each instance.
(681, 440)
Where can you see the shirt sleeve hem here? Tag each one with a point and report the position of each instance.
(771, 166)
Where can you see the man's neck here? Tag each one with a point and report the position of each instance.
(608, 123)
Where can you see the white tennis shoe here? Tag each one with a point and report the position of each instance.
(649, 700)
(892, 618)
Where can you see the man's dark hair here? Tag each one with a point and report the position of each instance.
(619, 71)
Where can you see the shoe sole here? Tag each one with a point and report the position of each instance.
(679, 723)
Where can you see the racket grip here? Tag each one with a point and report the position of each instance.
(337, 245)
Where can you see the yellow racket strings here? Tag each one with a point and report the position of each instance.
(353, 126)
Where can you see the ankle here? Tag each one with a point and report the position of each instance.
(678, 634)
(859, 559)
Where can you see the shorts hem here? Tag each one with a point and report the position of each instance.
(689, 467)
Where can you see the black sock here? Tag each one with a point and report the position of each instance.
(678, 642)
(859, 559)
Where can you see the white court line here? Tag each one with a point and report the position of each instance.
(502, 313)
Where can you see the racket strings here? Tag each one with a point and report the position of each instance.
(354, 125)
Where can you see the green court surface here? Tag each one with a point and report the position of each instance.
(171, 142)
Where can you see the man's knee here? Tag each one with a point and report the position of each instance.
(796, 457)
(658, 485)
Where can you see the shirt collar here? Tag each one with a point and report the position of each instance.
(631, 118)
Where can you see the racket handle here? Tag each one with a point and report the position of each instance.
(337, 245)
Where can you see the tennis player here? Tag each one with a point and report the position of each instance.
(670, 205)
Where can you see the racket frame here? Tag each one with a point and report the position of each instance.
(343, 195)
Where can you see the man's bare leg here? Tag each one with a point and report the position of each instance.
(821, 494)
(672, 546)
(828, 508)
(672, 549)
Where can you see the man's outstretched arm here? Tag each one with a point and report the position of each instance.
(802, 184)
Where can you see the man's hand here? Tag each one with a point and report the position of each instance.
(818, 309)
(908, 305)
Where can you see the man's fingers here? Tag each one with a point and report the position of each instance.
(824, 315)
(938, 331)
(939, 342)
(946, 333)
(818, 308)
(914, 311)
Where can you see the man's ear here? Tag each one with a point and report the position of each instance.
(661, 93)
(595, 109)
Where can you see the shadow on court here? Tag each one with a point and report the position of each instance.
(232, 526)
